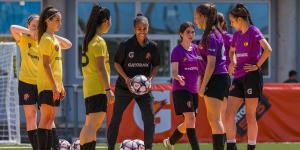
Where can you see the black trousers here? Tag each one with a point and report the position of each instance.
(145, 102)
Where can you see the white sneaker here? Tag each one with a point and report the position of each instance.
(167, 145)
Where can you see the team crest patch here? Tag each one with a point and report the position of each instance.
(29, 45)
(184, 59)
(189, 104)
(231, 87)
(26, 96)
(131, 54)
(148, 56)
(246, 44)
(56, 47)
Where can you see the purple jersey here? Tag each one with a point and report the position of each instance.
(227, 37)
(247, 49)
(190, 65)
(215, 47)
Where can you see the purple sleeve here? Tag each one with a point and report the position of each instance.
(175, 56)
(212, 46)
(233, 40)
(257, 34)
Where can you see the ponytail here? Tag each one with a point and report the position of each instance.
(241, 11)
(97, 17)
(209, 10)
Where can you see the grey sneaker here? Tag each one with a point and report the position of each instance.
(167, 145)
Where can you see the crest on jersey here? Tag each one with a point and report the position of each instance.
(56, 47)
(148, 56)
(246, 44)
(131, 55)
(29, 45)
(184, 59)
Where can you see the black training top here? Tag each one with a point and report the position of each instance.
(135, 59)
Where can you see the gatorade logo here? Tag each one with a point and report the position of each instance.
(131, 55)
(249, 91)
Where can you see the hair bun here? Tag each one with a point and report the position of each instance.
(240, 5)
(139, 14)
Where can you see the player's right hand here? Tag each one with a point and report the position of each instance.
(110, 96)
(181, 80)
(56, 94)
(128, 82)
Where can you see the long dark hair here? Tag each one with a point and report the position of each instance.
(221, 19)
(241, 11)
(48, 13)
(209, 10)
(97, 17)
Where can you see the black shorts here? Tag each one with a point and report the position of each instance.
(96, 103)
(248, 86)
(217, 86)
(28, 93)
(46, 97)
(185, 101)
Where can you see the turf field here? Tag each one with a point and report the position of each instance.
(266, 146)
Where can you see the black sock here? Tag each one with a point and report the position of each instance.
(32, 135)
(90, 145)
(231, 146)
(225, 138)
(218, 141)
(42, 138)
(251, 147)
(110, 147)
(55, 140)
(191, 133)
(82, 147)
(49, 144)
(175, 137)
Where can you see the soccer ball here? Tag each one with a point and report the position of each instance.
(128, 145)
(140, 85)
(64, 144)
(76, 145)
(140, 144)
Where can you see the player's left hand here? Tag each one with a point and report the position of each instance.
(63, 93)
(150, 80)
(250, 67)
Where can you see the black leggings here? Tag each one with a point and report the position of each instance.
(123, 99)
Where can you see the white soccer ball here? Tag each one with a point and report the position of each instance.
(140, 85)
(128, 145)
(64, 144)
(76, 145)
(140, 144)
